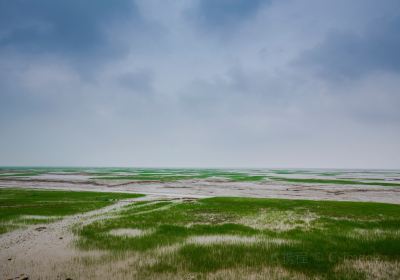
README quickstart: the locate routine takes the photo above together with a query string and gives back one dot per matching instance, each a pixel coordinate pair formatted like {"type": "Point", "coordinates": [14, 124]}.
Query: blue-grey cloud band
{"type": "Point", "coordinates": [236, 83]}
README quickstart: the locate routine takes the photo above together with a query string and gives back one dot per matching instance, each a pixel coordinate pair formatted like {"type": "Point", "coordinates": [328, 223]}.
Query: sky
{"type": "Point", "coordinates": [200, 83]}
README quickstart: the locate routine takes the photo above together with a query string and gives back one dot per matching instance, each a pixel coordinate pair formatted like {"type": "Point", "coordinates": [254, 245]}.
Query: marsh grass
{"type": "Point", "coordinates": [308, 238]}
{"type": "Point", "coordinates": [24, 174]}
{"type": "Point", "coordinates": [168, 175]}
{"type": "Point", "coordinates": [172, 175]}
{"type": "Point", "coordinates": [334, 181]}
{"type": "Point", "coordinates": [20, 207]}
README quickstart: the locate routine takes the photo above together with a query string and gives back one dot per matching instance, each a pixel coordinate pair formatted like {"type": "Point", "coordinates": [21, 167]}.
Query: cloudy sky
{"type": "Point", "coordinates": [200, 83]}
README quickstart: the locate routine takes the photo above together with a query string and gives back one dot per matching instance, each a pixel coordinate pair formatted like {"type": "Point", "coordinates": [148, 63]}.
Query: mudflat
{"type": "Point", "coordinates": [314, 184]}
{"type": "Point", "coordinates": [199, 224]}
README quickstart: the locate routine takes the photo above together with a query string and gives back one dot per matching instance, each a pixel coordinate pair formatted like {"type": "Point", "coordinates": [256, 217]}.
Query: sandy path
{"type": "Point", "coordinates": [39, 251]}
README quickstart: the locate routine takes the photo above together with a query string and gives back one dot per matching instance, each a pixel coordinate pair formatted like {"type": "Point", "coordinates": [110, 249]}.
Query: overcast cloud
{"type": "Point", "coordinates": [200, 83]}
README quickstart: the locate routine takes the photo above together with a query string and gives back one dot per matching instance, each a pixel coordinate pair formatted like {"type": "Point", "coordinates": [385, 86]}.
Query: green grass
{"type": "Point", "coordinates": [319, 235]}
{"type": "Point", "coordinates": [178, 174]}
{"type": "Point", "coordinates": [334, 181]}
{"type": "Point", "coordinates": [17, 203]}
{"type": "Point", "coordinates": [23, 174]}
{"type": "Point", "coordinates": [164, 175]}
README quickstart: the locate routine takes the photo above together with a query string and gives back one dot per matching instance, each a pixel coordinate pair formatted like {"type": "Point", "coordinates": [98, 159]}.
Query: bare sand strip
{"type": "Point", "coordinates": [204, 188]}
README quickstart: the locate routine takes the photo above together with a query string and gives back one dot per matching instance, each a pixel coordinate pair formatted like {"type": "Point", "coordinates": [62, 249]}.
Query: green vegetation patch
{"type": "Point", "coordinates": [171, 175]}
{"type": "Point", "coordinates": [20, 174]}
{"type": "Point", "coordinates": [333, 181]}
{"type": "Point", "coordinates": [312, 238]}
{"type": "Point", "coordinates": [22, 206]}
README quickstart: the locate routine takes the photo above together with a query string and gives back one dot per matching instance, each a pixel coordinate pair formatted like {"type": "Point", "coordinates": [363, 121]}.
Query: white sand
{"type": "Point", "coordinates": [129, 232]}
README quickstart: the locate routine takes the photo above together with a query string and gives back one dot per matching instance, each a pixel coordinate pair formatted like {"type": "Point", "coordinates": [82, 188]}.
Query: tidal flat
{"type": "Point", "coordinates": [128, 223]}
{"type": "Point", "coordinates": [314, 184]}
{"type": "Point", "coordinates": [120, 236]}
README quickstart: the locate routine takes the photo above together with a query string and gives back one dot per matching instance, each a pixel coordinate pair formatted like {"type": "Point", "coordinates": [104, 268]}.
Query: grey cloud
{"type": "Point", "coordinates": [161, 90]}
{"type": "Point", "coordinates": [138, 81]}
{"type": "Point", "coordinates": [69, 27]}
{"type": "Point", "coordinates": [223, 15]}
{"type": "Point", "coordinates": [348, 55]}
